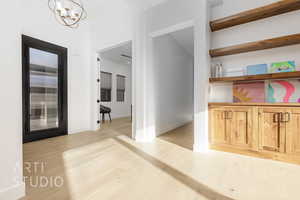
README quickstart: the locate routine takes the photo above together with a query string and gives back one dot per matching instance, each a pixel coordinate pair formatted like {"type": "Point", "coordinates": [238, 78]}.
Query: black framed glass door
{"type": "Point", "coordinates": [44, 89]}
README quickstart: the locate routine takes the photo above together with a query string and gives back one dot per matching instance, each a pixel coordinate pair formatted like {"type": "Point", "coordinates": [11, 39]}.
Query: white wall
{"type": "Point", "coordinates": [11, 185]}
{"type": "Point", "coordinates": [167, 16]}
{"type": "Point", "coordinates": [45, 27]}
{"type": "Point", "coordinates": [119, 109]}
{"type": "Point", "coordinates": [277, 26]}
{"type": "Point", "coordinates": [33, 18]}
{"type": "Point", "coordinates": [111, 24]}
{"type": "Point", "coordinates": [173, 84]}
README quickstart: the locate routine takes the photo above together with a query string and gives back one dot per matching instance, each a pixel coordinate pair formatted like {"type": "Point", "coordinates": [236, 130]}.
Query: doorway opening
{"type": "Point", "coordinates": [173, 62]}
{"type": "Point", "coordinates": [115, 88]}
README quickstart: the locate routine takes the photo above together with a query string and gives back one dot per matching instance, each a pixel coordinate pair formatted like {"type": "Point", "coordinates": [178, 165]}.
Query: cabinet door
{"type": "Point", "coordinates": [218, 133]}
{"type": "Point", "coordinates": [292, 120]}
{"type": "Point", "coordinates": [271, 130]}
{"type": "Point", "coordinates": [240, 120]}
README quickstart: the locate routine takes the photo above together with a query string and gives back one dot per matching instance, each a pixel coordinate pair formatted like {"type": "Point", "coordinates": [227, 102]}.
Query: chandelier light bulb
{"type": "Point", "coordinates": [59, 6]}
{"type": "Point", "coordinates": [68, 12]}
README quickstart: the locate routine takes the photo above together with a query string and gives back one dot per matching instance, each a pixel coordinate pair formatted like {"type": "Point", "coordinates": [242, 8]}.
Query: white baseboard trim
{"type": "Point", "coordinates": [119, 117]}
{"type": "Point", "coordinates": [142, 137]}
{"type": "Point", "coordinates": [172, 127]}
{"type": "Point", "coordinates": [198, 148]}
{"type": "Point", "coordinates": [78, 131]}
{"type": "Point", "coordinates": [13, 193]}
{"type": "Point", "coordinates": [144, 140]}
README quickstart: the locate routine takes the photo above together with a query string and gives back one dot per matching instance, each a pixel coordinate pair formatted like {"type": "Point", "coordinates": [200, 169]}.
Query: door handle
{"type": "Point", "coordinates": [285, 117]}
{"type": "Point", "coordinates": [225, 114]}
{"type": "Point", "coordinates": [277, 117]}
{"type": "Point", "coordinates": [288, 116]}
{"type": "Point", "coordinates": [228, 114]}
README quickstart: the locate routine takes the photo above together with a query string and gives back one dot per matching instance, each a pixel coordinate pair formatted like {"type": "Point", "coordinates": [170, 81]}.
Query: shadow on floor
{"type": "Point", "coordinates": [184, 179]}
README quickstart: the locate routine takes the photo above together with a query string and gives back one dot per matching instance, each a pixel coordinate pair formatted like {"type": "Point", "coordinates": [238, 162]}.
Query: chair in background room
{"type": "Point", "coordinates": [105, 110]}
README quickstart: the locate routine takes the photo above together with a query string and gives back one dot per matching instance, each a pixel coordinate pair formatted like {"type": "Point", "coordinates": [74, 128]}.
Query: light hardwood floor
{"type": "Point", "coordinates": [182, 136]}
{"type": "Point", "coordinates": [108, 165]}
{"type": "Point", "coordinates": [104, 165]}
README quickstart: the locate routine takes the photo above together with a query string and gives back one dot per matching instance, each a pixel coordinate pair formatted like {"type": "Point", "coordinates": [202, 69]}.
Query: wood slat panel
{"type": "Point", "coordinates": [270, 10]}
{"type": "Point", "coordinates": [258, 45]}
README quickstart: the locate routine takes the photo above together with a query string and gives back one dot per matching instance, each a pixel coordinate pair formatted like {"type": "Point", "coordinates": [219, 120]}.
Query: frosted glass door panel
{"type": "Point", "coordinates": [43, 80]}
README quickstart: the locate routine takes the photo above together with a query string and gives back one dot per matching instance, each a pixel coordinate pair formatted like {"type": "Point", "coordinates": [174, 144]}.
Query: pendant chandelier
{"type": "Point", "coordinates": [68, 12]}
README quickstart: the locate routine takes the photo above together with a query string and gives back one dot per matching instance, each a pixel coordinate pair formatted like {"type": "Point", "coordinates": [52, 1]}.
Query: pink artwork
{"type": "Point", "coordinates": [283, 91]}
{"type": "Point", "coordinates": [249, 92]}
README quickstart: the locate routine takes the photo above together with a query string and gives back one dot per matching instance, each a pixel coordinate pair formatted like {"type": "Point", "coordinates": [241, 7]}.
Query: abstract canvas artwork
{"type": "Point", "coordinates": [288, 66]}
{"type": "Point", "coordinates": [283, 91]}
{"type": "Point", "coordinates": [249, 92]}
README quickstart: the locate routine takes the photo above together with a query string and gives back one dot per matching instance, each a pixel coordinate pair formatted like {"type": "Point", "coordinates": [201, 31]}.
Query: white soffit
{"type": "Point", "coordinates": [120, 54]}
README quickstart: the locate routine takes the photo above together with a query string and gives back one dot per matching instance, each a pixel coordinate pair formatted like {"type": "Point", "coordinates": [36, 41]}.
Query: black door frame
{"type": "Point", "coordinates": [29, 42]}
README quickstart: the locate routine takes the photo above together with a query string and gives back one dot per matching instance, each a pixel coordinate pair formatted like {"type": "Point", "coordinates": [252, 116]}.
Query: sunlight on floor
{"type": "Point", "coordinates": [109, 169]}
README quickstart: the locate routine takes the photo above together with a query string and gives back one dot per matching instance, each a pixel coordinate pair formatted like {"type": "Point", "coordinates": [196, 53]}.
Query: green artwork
{"type": "Point", "coordinates": [270, 94]}
{"type": "Point", "coordinates": [288, 66]}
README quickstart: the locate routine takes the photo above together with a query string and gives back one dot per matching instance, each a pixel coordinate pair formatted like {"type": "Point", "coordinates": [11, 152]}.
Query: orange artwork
{"type": "Point", "coordinates": [249, 92]}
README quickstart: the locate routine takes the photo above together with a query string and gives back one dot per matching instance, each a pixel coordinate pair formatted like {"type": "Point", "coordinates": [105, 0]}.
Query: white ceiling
{"type": "Point", "coordinates": [150, 3]}
{"type": "Point", "coordinates": [185, 38]}
{"type": "Point", "coordinates": [144, 4]}
{"type": "Point", "coordinates": [115, 54]}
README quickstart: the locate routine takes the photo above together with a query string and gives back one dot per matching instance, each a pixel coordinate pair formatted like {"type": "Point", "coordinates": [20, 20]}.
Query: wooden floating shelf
{"type": "Point", "coordinates": [270, 10]}
{"type": "Point", "coordinates": [255, 104]}
{"type": "Point", "coordinates": [284, 75]}
{"type": "Point", "coordinates": [258, 45]}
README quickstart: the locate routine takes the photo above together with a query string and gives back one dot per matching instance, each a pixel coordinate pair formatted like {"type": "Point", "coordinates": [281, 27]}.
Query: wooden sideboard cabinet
{"type": "Point", "coordinates": [232, 126]}
{"type": "Point", "coordinates": [292, 118]}
{"type": "Point", "coordinates": [264, 130]}
{"type": "Point", "coordinates": [272, 130]}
